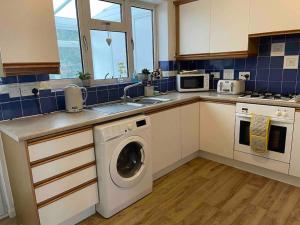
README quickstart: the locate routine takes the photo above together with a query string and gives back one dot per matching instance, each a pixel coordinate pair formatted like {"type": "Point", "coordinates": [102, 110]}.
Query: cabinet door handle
{"type": "Point", "coordinates": [86, 46]}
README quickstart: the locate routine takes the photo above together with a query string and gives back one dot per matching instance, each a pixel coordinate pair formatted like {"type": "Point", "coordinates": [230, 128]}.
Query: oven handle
{"type": "Point", "coordinates": [275, 119]}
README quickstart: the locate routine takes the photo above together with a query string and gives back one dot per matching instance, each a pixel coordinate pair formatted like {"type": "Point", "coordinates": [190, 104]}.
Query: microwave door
{"type": "Point", "coordinates": [195, 82]}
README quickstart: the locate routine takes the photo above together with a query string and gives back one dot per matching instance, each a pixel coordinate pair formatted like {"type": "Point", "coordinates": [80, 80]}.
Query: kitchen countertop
{"type": "Point", "coordinates": [36, 126]}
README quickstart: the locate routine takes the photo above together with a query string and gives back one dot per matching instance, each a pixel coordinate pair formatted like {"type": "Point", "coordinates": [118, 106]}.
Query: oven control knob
{"type": "Point", "coordinates": [278, 113]}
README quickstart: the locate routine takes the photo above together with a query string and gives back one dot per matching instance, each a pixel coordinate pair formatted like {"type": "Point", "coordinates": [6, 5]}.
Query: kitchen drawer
{"type": "Point", "coordinates": [43, 171]}
{"type": "Point", "coordinates": [62, 209]}
{"type": "Point", "coordinates": [49, 190]}
{"type": "Point", "coordinates": [39, 150]}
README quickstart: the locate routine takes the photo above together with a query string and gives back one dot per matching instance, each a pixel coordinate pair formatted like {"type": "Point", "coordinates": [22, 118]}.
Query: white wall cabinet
{"type": "Point", "coordinates": [28, 37]}
{"type": "Point", "coordinates": [166, 146]}
{"type": "Point", "coordinates": [274, 15]}
{"type": "Point", "coordinates": [213, 26]}
{"type": "Point", "coordinates": [194, 27]}
{"type": "Point", "coordinates": [189, 121]}
{"type": "Point", "coordinates": [217, 123]}
{"type": "Point", "coordinates": [229, 25]}
{"type": "Point", "coordinates": [295, 155]}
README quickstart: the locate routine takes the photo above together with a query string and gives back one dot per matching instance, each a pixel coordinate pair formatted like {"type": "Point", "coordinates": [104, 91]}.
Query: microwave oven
{"type": "Point", "coordinates": [189, 82]}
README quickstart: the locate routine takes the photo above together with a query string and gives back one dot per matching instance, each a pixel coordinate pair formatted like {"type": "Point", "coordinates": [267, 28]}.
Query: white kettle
{"type": "Point", "coordinates": [74, 97]}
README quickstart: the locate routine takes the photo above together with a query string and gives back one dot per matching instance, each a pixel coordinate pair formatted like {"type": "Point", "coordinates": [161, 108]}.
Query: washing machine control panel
{"type": "Point", "coordinates": [124, 127]}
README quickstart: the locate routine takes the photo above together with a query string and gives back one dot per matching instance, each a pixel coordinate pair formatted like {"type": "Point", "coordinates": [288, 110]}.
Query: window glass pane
{"type": "Point", "coordinates": [143, 38]}
{"type": "Point", "coordinates": [103, 10]}
{"type": "Point", "coordinates": [68, 38]}
{"type": "Point", "coordinates": [109, 60]}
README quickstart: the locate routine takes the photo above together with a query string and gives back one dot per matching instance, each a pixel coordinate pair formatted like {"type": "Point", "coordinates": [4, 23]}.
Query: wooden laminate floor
{"type": "Point", "coordinates": [206, 192]}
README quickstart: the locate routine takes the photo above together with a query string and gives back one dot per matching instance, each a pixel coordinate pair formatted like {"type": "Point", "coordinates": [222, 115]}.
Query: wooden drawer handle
{"type": "Point", "coordinates": [61, 155]}
{"type": "Point", "coordinates": [62, 175]}
{"type": "Point", "coordinates": [66, 193]}
{"type": "Point", "coordinates": [57, 136]}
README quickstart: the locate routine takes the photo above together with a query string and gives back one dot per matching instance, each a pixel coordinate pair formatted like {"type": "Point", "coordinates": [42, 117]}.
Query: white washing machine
{"type": "Point", "coordinates": [124, 166]}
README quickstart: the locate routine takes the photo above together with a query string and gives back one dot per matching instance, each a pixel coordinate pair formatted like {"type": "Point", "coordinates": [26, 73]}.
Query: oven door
{"type": "Point", "coordinates": [280, 138]}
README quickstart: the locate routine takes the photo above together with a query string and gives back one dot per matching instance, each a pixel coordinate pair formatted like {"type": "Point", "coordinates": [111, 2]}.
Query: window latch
{"type": "Point", "coordinates": [86, 46]}
{"type": "Point", "coordinates": [132, 43]}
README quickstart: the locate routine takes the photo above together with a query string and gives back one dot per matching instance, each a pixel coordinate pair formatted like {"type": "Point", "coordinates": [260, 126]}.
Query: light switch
{"type": "Point", "coordinates": [216, 75]}
{"type": "Point", "coordinates": [291, 62]}
{"type": "Point", "coordinates": [228, 74]}
{"type": "Point", "coordinates": [14, 90]}
{"type": "Point", "coordinates": [277, 49]}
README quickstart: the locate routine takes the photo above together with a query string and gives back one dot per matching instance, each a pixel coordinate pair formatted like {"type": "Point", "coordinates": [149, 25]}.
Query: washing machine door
{"type": "Point", "coordinates": [129, 162]}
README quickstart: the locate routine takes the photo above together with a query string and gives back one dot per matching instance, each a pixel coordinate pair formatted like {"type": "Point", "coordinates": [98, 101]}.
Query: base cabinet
{"type": "Point", "coordinates": [217, 122]}
{"type": "Point", "coordinates": [54, 178]}
{"type": "Point", "coordinates": [166, 144]}
{"type": "Point", "coordinates": [69, 206]}
{"type": "Point", "coordinates": [295, 155]}
{"type": "Point", "coordinates": [189, 128]}
{"type": "Point", "coordinates": [175, 135]}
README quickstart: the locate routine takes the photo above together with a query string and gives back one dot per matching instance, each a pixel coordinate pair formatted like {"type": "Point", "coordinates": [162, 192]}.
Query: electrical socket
{"type": "Point", "coordinates": [228, 74]}
{"type": "Point", "coordinates": [26, 89]}
{"type": "Point", "coordinates": [243, 75]}
{"type": "Point", "coordinates": [217, 75]}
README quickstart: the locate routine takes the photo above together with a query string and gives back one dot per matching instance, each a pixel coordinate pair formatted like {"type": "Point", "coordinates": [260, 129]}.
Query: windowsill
{"type": "Point", "coordinates": [57, 84]}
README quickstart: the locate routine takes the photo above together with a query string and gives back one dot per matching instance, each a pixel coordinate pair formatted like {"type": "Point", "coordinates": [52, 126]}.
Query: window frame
{"type": "Point", "coordinates": [86, 23]}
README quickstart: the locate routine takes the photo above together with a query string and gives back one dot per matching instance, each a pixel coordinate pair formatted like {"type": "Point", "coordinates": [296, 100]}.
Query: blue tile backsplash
{"type": "Point", "coordinates": [53, 100]}
{"type": "Point", "coordinates": [267, 73]}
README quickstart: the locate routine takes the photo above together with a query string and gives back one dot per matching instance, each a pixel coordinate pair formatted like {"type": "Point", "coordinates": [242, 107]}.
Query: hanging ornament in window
{"type": "Point", "coordinates": [108, 39]}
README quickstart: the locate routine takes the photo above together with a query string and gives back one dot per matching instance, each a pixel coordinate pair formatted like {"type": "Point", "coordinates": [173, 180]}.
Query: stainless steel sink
{"type": "Point", "coordinates": [127, 106]}
{"type": "Point", "coordinates": [151, 101]}
{"type": "Point", "coordinates": [116, 108]}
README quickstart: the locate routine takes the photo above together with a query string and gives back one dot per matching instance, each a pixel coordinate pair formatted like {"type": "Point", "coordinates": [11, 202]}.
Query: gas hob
{"type": "Point", "coordinates": [268, 96]}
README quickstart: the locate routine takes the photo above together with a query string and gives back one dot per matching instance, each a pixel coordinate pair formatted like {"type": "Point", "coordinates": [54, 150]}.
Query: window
{"type": "Point", "coordinates": [109, 60]}
{"type": "Point", "coordinates": [142, 32]}
{"type": "Point", "coordinates": [103, 10]}
{"type": "Point", "coordinates": [68, 38]}
{"type": "Point", "coordinates": [96, 36]}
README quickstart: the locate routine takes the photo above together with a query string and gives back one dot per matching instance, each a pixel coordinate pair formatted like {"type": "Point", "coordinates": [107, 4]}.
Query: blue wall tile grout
{"type": "Point", "coordinates": [111, 92]}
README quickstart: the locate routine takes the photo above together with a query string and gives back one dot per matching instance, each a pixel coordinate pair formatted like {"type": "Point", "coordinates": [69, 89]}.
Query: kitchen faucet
{"type": "Point", "coordinates": [125, 97]}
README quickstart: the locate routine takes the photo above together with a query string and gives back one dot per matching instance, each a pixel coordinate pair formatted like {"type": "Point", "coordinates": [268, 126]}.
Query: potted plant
{"type": "Point", "coordinates": [146, 74]}
{"type": "Point", "coordinates": [85, 78]}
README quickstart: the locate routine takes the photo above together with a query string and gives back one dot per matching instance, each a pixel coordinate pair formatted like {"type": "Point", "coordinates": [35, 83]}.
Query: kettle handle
{"type": "Point", "coordinates": [85, 94]}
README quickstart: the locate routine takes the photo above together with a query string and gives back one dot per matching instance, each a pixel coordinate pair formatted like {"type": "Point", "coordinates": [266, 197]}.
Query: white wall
{"type": "Point", "coordinates": [166, 30]}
